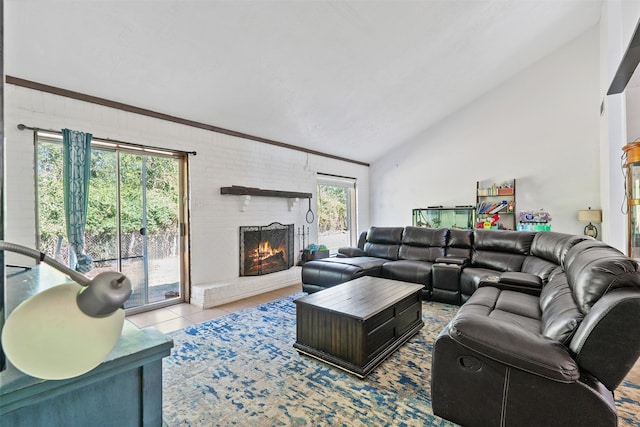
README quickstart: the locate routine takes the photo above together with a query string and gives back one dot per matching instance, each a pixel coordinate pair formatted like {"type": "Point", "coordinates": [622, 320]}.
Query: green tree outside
{"type": "Point", "coordinates": [332, 209]}
{"type": "Point", "coordinates": [162, 186]}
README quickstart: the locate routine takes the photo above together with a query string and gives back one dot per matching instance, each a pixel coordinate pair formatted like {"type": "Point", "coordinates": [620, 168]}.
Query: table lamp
{"type": "Point", "coordinates": [590, 216]}
{"type": "Point", "coordinates": [67, 330]}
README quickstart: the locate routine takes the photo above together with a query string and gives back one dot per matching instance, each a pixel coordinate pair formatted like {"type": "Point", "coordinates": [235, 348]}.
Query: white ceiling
{"type": "Point", "coordinates": [348, 78]}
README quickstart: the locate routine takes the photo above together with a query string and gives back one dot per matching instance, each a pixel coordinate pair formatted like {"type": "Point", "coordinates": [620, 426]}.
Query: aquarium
{"type": "Point", "coordinates": [444, 217]}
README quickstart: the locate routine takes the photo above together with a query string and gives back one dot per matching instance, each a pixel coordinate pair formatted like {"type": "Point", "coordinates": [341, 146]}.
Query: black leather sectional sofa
{"type": "Point", "coordinates": [549, 324]}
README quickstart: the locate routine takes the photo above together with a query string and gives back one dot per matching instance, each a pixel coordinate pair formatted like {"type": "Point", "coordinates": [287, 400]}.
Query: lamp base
{"type": "Point", "coordinates": [591, 230]}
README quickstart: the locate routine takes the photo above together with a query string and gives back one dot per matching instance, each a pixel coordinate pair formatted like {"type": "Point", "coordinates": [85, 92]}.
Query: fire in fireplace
{"type": "Point", "coordinates": [266, 249]}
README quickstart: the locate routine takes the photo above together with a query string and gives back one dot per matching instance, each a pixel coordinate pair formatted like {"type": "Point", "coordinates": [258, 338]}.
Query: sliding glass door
{"type": "Point", "coordinates": [150, 226]}
{"type": "Point", "coordinates": [134, 220]}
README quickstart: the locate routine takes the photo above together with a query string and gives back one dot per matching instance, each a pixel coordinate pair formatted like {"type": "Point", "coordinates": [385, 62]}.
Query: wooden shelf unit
{"type": "Point", "coordinates": [490, 193]}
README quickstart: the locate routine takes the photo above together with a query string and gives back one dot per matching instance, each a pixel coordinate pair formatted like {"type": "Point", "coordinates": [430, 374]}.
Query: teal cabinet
{"type": "Point", "coordinates": [125, 390]}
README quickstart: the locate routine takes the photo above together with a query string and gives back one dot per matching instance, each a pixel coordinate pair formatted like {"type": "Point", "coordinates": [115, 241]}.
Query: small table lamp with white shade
{"type": "Point", "coordinates": [67, 330]}
{"type": "Point", "coordinates": [590, 216]}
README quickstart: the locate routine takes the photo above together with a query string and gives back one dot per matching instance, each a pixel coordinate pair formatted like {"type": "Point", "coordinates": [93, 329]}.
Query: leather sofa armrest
{"type": "Point", "coordinates": [521, 279]}
{"type": "Point", "coordinates": [513, 282]}
{"type": "Point", "coordinates": [516, 347]}
{"type": "Point", "coordinates": [453, 260]}
{"type": "Point", "coordinates": [351, 252]}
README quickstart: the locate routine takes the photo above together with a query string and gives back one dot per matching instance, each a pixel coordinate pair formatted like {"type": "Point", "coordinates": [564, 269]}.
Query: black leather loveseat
{"type": "Point", "coordinates": [549, 324]}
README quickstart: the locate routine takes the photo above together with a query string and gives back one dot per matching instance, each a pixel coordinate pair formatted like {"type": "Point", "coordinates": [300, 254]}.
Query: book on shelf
{"type": "Point", "coordinates": [499, 208]}
{"type": "Point", "coordinates": [491, 208]}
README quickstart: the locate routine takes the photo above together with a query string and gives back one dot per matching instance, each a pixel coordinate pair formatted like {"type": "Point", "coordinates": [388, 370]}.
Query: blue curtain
{"type": "Point", "coordinates": [76, 172]}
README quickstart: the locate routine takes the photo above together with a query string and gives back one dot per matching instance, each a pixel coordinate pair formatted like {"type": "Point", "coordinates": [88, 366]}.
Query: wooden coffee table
{"type": "Point", "coordinates": [357, 324]}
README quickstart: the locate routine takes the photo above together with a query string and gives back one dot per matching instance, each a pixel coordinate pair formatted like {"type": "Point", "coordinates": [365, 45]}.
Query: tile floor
{"type": "Point", "coordinates": [179, 316]}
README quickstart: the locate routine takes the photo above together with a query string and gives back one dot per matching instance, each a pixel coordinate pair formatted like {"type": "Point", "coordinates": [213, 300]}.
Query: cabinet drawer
{"type": "Point", "coordinates": [379, 319]}
{"type": "Point", "coordinates": [407, 302]}
{"type": "Point", "coordinates": [379, 337]}
{"type": "Point", "coordinates": [409, 317]}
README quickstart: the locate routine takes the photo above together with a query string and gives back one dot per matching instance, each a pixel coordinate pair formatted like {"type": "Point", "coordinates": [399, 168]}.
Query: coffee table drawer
{"type": "Point", "coordinates": [378, 338]}
{"type": "Point", "coordinates": [409, 317]}
{"type": "Point", "coordinates": [379, 319]}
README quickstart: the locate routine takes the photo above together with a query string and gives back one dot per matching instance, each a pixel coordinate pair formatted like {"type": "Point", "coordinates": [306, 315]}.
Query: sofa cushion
{"type": "Point", "coordinates": [366, 263]}
{"type": "Point", "coordinates": [334, 270]}
{"type": "Point", "coordinates": [540, 267]}
{"type": "Point", "coordinates": [594, 268]}
{"type": "Point", "coordinates": [416, 253]}
{"type": "Point", "coordinates": [510, 307]}
{"type": "Point", "coordinates": [501, 250]}
{"type": "Point", "coordinates": [519, 305]}
{"type": "Point", "coordinates": [408, 271]}
{"type": "Point", "coordinates": [420, 236]}
{"type": "Point", "coordinates": [498, 261]}
{"type": "Point", "coordinates": [385, 235]}
{"type": "Point", "coordinates": [381, 251]}
{"type": "Point", "coordinates": [553, 247]}
{"type": "Point", "coordinates": [350, 252]}
{"type": "Point", "coordinates": [459, 243]}
{"type": "Point", "coordinates": [471, 276]}
{"type": "Point", "coordinates": [383, 242]}
{"type": "Point", "coordinates": [423, 244]}
{"type": "Point", "coordinates": [515, 242]}
{"type": "Point", "coordinates": [560, 315]}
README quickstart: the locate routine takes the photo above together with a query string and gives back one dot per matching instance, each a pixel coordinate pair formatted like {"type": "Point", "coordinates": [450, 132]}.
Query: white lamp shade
{"type": "Point", "coordinates": [49, 337]}
{"type": "Point", "coordinates": [591, 215]}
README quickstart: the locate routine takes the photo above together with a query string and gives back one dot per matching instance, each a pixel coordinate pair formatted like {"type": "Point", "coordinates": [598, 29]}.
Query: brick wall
{"type": "Point", "coordinates": [222, 160]}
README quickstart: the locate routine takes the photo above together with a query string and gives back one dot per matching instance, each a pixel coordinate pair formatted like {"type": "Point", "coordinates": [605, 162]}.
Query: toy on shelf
{"type": "Point", "coordinates": [534, 221]}
{"type": "Point", "coordinates": [490, 222]}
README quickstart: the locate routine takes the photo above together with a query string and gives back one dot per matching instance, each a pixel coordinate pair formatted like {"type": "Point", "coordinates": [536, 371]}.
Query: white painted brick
{"type": "Point", "coordinates": [222, 292]}
{"type": "Point", "coordinates": [222, 160]}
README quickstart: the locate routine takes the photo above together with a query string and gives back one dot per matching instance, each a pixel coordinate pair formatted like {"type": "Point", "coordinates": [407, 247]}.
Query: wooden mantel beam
{"type": "Point", "coordinates": [238, 190]}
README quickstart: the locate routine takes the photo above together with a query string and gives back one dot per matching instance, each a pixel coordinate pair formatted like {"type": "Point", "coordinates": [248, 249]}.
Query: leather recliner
{"type": "Point", "coordinates": [513, 359]}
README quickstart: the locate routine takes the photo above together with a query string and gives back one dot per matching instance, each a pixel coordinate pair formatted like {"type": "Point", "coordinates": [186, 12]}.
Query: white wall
{"type": "Point", "coordinates": [540, 127]}
{"type": "Point", "coordinates": [222, 160]}
{"type": "Point", "coordinates": [617, 23]}
{"type": "Point", "coordinates": [632, 95]}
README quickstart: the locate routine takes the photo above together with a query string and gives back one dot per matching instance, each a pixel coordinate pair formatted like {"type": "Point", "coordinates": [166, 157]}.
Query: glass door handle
{"type": "Point", "coordinates": [143, 231]}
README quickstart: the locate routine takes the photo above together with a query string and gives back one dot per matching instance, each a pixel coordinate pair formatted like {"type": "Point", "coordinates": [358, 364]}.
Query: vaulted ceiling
{"type": "Point", "coordinates": [350, 78]}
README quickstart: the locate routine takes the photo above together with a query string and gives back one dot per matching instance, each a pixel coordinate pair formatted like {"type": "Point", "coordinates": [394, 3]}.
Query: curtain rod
{"type": "Point", "coordinates": [337, 176]}
{"type": "Point", "coordinates": [115, 141]}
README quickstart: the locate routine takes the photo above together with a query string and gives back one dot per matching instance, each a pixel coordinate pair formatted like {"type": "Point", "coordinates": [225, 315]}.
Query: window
{"type": "Point", "coordinates": [336, 211]}
{"type": "Point", "coordinates": [135, 216]}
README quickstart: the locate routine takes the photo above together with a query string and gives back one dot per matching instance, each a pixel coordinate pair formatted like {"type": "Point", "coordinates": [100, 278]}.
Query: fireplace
{"type": "Point", "coordinates": [266, 249]}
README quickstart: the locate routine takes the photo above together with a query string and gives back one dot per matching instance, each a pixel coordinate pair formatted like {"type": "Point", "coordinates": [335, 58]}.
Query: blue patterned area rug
{"type": "Point", "coordinates": [242, 370]}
